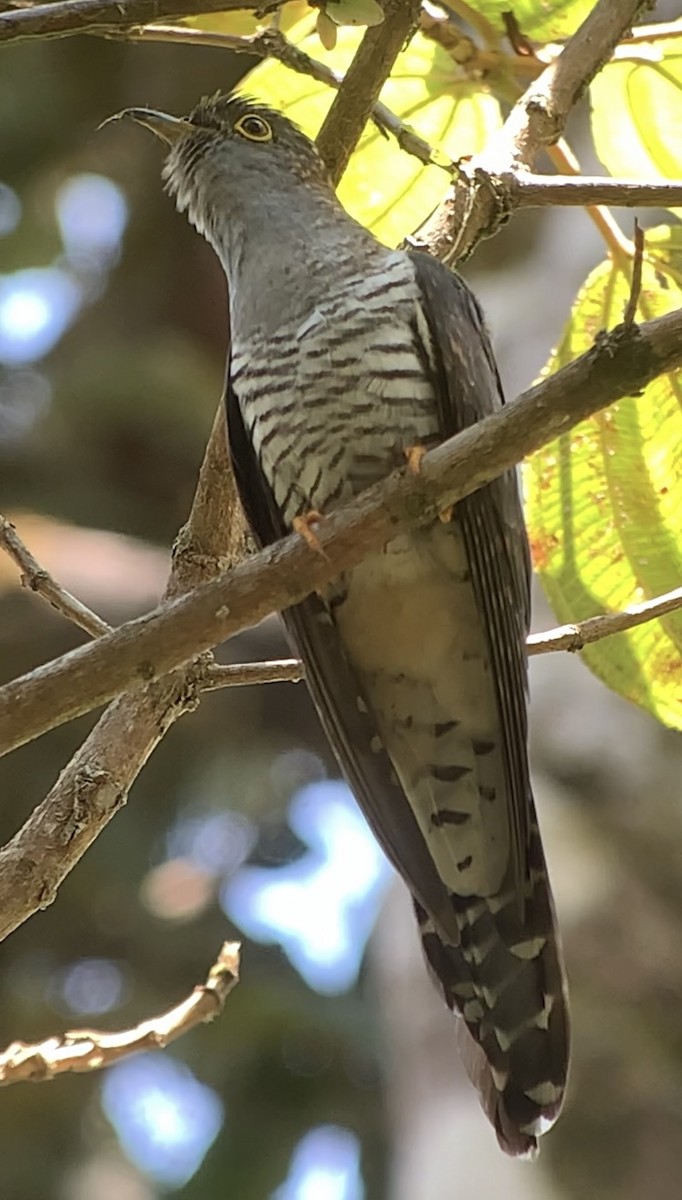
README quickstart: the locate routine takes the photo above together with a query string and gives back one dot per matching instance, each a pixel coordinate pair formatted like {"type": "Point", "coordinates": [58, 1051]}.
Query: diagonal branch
{"type": "Point", "coordinates": [95, 784]}
{"type": "Point", "coordinates": [38, 580]}
{"type": "Point", "coordinates": [364, 79]}
{"type": "Point", "coordinates": [90, 1049]}
{"type": "Point", "coordinates": [620, 363]}
{"type": "Point", "coordinates": [593, 629]}
{"type": "Point", "coordinates": [271, 43]}
{"type": "Point", "coordinates": [66, 17]}
{"type": "Point", "coordinates": [475, 205]}
{"type": "Point", "coordinates": [570, 638]}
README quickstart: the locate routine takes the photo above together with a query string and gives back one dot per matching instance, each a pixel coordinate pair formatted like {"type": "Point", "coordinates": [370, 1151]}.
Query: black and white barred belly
{"type": "Point", "coordinates": [331, 402]}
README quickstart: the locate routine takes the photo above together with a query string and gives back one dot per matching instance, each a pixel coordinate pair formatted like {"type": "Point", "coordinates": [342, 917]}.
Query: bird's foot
{"type": "Point", "coordinates": [414, 456]}
{"type": "Point", "coordinates": [303, 525]}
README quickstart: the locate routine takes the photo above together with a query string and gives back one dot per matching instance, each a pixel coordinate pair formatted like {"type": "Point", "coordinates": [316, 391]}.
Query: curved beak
{"type": "Point", "coordinates": [169, 129]}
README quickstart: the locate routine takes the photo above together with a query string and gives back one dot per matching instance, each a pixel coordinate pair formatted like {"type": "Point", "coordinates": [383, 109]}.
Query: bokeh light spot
{"type": "Point", "coordinates": [165, 1119]}
{"type": "Point", "coordinates": [36, 307]}
{"type": "Point", "coordinates": [92, 214]}
{"type": "Point", "coordinates": [91, 985]}
{"type": "Point", "coordinates": [10, 210]}
{"type": "Point", "coordinates": [324, 1166]}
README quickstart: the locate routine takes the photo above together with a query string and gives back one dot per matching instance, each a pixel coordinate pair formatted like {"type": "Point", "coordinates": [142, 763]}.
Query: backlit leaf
{"type": "Point", "coordinates": [604, 502]}
{"type": "Point", "coordinates": [542, 20]}
{"type": "Point", "coordinates": [637, 112]}
{"type": "Point", "coordinates": [389, 191]}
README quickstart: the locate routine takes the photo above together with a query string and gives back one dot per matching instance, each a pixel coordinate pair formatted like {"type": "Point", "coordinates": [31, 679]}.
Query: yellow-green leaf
{"type": "Point", "coordinates": [637, 112]}
{"type": "Point", "coordinates": [354, 12]}
{"type": "Point", "coordinates": [604, 502]}
{"type": "Point", "coordinates": [542, 20]}
{"type": "Point", "coordinates": [389, 191]}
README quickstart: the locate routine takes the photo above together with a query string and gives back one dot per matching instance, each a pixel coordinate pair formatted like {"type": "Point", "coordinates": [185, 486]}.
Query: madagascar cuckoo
{"type": "Point", "coordinates": [344, 356]}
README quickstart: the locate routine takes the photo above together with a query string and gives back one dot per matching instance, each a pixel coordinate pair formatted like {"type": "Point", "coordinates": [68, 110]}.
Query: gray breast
{"type": "Point", "coordinates": [331, 401]}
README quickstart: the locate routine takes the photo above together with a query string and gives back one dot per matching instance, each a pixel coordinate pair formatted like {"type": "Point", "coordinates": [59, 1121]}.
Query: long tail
{"type": "Point", "coordinates": [507, 982]}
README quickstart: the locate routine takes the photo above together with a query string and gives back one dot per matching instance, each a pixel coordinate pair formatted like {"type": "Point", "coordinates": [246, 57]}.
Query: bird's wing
{"type": "Point", "coordinates": [337, 696]}
{"type": "Point", "coordinates": [467, 386]}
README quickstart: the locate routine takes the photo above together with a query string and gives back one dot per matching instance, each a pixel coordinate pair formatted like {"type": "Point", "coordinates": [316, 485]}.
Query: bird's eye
{"type": "Point", "coordinates": [256, 129]}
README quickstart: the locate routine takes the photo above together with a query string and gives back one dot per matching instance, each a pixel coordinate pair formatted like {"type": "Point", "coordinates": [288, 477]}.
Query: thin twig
{"type": "Point", "coordinates": [593, 629]}
{"type": "Point", "coordinates": [527, 191]}
{"type": "Point", "coordinates": [38, 580]}
{"type": "Point", "coordinates": [364, 79]}
{"type": "Point", "coordinates": [620, 248]}
{"type": "Point", "coordinates": [564, 637]}
{"type": "Point", "coordinates": [620, 362]}
{"type": "Point", "coordinates": [283, 670]}
{"type": "Point", "coordinates": [271, 43]}
{"type": "Point", "coordinates": [83, 1050]}
{"type": "Point", "coordinates": [650, 34]}
{"type": "Point", "coordinates": [630, 314]}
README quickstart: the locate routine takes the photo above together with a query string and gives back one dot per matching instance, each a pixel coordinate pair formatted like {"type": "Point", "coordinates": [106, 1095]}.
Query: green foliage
{"type": "Point", "coordinates": [542, 20]}
{"type": "Point", "coordinates": [604, 501]}
{"type": "Point", "coordinates": [637, 113]}
{"type": "Point", "coordinates": [387, 190]}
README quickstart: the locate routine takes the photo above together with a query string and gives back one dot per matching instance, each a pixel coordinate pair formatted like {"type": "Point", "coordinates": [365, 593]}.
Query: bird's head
{"type": "Point", "coordinates": [231, 154]}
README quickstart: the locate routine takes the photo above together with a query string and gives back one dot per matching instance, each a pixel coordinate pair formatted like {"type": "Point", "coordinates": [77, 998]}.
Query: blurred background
{"type": "Point", "coordinates": [332, 1073]}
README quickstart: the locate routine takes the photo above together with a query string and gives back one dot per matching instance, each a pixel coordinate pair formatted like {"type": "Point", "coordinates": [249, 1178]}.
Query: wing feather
{"type": "Point", "coordinates": [468, 388]}
{"type": "Point", "coordinates": [338, 698]}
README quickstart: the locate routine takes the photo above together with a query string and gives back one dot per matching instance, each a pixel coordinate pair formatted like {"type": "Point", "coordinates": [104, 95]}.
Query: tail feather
{"type": "Point", "coordinates": [506, 980]}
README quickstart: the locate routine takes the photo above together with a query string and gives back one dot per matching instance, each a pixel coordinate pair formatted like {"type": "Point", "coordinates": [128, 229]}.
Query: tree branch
{"type": "Point", "coordinates": [283, 670]}
{"type": "Point", "coordinates": [66, 17]}
{"type": "Point", "coordinates": [565, 637]}
{"type": "Point", "coordinates": [527, 191]}
{"type": "Point", "coordinates": [593, 629]}
{"type": "Point", "coordinates": [620, 363]}
{"type": "Point", "coordinates": [95, 784]}
{"type": "Point", "coordinates": [475, 205]}
{"type": "Point", "coordinates": [364, 79]}
{"type": "Point", "coordinates": [90, 1049]}
{"type": "Point", "coordinates": [38, 580]}
{"type": "Point", "coordinates": [271, 43]}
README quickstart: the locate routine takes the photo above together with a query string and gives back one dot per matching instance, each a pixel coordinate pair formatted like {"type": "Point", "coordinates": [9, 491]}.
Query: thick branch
{"type": "Point", "coordinates": [619, 364]}
{"type": "Point", "coordinates": [95, 784]}
{"type": "Point", "coordinates": [90, 1049]}
{"type": "Point", "coordinates": [475, 206]}
{"type": "Point", "coordinates": [539, 118]}
{"type": "Point", "coordinates": [66, 17]}
{"type": "Point", "coordinates": [364, 79]}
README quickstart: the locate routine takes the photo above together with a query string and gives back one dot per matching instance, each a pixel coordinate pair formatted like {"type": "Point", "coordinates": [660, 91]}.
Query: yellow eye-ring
{"type": "Point", "coordinates": [256, 129]}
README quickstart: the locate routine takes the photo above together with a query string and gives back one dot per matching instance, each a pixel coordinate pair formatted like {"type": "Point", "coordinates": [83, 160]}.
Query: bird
{"type": "Point", "coordinates": [346, 357]}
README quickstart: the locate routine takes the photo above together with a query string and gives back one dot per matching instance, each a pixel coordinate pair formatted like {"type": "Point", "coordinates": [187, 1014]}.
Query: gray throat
{"type": "Point", "coordinates": [285, 254]}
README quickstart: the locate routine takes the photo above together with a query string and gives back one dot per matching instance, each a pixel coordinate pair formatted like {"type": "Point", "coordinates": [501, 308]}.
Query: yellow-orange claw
{"type": "Point", "coordinates": [413, 457]}
{"type": "Point", "coordinates": [304, 526]}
